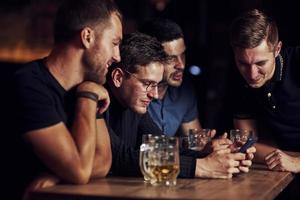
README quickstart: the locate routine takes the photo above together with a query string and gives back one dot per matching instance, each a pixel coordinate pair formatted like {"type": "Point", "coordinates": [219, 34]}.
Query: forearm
{"type": "Point", "coordinates": [103, 155]}
{"type": "Point", "coordinates": [194, 124]}
{"type": "Point", "coordinates": [84, 134]}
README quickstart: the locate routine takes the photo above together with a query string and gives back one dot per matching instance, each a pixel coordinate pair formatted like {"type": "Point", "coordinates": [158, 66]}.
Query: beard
{"type": "Point", "coordinates": [97, 77]}
{"type": "Point", "coordinates": [94, 71]}
{"type": "Point", "coordinates": [172, 81]}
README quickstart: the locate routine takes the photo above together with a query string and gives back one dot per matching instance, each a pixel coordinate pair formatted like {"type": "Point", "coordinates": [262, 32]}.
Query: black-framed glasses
{"type": "Point", "coordinates": [147, 84]}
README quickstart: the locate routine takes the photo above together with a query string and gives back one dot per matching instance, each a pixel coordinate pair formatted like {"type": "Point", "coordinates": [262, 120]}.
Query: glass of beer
{"type": "Point", "coordinates": [197, 139]}
{"type": "Point", "coordinates": [240, 137]}
{"type": "Point", "coordinates": [164, 161]}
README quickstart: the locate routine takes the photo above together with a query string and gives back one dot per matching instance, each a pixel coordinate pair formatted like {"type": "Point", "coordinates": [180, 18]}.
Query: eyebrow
{"type": "Point", "coordinates": [258, 62]}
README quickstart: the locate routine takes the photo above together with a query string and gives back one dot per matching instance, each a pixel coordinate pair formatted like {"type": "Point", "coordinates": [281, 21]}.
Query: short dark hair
{"type": "Point", "coordinates": [164, 30]}
{"type": "Point", "coordinates": [74, 15]}
{"type": "Point", "coordinates": [138, 49]}
{"type": "Point", "coordinates": [249, 29]}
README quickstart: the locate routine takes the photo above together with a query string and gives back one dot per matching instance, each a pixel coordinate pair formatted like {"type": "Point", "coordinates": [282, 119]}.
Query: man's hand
{"type": "Point", "coordinates": [278, 160]}
{"type": "Point", "coordinates": [221, 143]}
{"type": "Point", "coordinates": [219, 164]}
{"type": "Point", "coordinates": [43, 181]}
{"type": "Point", "coordinates": [245, 164]}
{"type": "Point", "coordinates": [102, 93]}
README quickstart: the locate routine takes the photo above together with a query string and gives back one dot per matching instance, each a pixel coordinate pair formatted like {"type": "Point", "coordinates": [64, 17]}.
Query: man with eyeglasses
{"type": "Point", "coordinates": [132, 84]}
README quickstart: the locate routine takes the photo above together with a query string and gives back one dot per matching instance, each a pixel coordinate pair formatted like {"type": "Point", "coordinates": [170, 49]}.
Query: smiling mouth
{"type": "Point", "coordinates": [146, 103]}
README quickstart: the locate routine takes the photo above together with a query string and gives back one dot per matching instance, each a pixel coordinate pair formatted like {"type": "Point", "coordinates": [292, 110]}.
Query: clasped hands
{"type": "Point", "coordinates": [223, 162]}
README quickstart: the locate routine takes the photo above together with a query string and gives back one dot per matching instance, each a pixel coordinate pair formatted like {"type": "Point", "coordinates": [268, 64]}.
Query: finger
{"type": "Point", "coordinates": [233, 170]}
{"type": "Point", "coordinates": [233, 163]}
{"type": "Point", "coordinates": [213, 133]}
{"type": "Point", "coordinates": [220, 147]}
{"type": "Point", "coordinates": [270, 155]}
{"type": "Point", "coordinates": [224, 135]}
{"type": "Point", "coordinates": [251, 150]}
{"type": "Point", "coordinates": [238, 156]}
{"type": "Point", "coordinates": [271, 160]}
{"type": "Point", "coordinates": [221, 141]}
{"type": "Point", "coordinates": [103, 105]}
{"type": "Point", "coordinates": [246, 163]}
{"type": "Point", "coordinates": [223, 151]}
{"type": "Point", "coordinates": [275, 156]}
{"type": "Point", "coordinates": [249, 156]}
{"type": "Point", "coordinates": [274, 164]}
{"type": "Point", "coordinates": [244, 169]}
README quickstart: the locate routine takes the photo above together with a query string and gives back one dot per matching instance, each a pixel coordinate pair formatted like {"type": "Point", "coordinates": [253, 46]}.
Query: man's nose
{"type": "Point", "coordinates": [180, 63]}
{"type": "Point", "coordinates": [253, 72]}
{"type": "Point", "coordinates": [116, 55]}
{"type": "Point", "coordinates": [153, 93]}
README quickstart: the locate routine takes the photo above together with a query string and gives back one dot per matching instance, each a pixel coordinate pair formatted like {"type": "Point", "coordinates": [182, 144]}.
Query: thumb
{"type": "Point", "coordinates": [224, 136]}
{"type": "Point", "coordinates": [213, 133]}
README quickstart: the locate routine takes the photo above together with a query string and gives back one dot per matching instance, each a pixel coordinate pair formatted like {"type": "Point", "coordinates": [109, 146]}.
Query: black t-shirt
{"type": "Point", "coordinates": [41, 102]}
{"type": "Point", "coordinates": [41, 99]}
{"type": "Point", "coordinates": [276, 105]}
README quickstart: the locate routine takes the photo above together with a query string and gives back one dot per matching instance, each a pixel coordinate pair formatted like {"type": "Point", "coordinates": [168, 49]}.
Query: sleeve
{"type": "Point", "coordinates": [190, 101]}
{"type": "Point", "coordinates": [34, 103]}
{"type": "Point", "coordinates": [125, 157]}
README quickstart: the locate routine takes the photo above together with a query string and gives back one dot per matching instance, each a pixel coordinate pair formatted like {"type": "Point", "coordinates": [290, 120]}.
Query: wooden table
{"type": "Point", "coordinates": [259, 183]}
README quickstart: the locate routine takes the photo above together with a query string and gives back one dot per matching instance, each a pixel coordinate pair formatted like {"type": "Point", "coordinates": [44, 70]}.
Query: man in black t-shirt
{"type": "Point", "coordinates": [58, 96]}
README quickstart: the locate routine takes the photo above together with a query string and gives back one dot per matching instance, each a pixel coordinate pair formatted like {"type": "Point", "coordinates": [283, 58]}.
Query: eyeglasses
{"type": "Point", "coordinates": [147, 84]}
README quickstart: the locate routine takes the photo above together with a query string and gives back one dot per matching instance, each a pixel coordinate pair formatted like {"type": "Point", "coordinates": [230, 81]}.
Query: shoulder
{"type": "Point", "coordinates": [32, 80]}
{"type": "Point", "coordinates": [184, 91]}
{"type": "Point", "coordinates": [30, 73]}
{"type": "Point", "coordinates": [291, 53]}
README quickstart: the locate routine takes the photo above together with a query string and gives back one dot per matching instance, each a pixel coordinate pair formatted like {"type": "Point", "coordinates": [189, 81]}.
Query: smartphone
{"type": "Point", "coordinates": [247, 145]}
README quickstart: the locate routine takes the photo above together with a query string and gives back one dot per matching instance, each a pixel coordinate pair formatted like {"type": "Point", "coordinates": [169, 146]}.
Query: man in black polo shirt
{"type": "Point", "coordinates": [269, 97]}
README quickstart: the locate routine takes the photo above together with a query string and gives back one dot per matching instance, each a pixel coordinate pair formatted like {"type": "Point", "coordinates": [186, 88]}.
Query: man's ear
{"type": "Point", "coordinates": [87, 36]}
{"type": "Point", "coordinates": [278, 48]}
{"type": "Point", "coordinates": [117, 76]}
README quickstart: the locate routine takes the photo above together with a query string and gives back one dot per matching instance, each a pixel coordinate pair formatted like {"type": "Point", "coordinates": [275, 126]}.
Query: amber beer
{"type": "Point", "coordinates": [164, 161]}
{"type": "Point", "coordinates": [165, 172]}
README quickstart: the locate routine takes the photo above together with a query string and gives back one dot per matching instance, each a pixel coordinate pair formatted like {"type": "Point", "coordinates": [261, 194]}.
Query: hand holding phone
{"type": "Point", "coordinates": [248, 144]}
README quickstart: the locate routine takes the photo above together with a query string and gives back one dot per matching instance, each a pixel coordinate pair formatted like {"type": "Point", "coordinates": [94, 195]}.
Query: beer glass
{"type": "Point", "coordinates": [240, 137]}
{"type": "Point", "coordinates": [197, 139]}
{"type": "Point", "coordinates": [144, 156]}
{"type": "Point", "coordinates": [164, 161]}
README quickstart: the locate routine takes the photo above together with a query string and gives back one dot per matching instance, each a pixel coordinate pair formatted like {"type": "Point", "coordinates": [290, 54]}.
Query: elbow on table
{"type": "Point", "coordinates": [77, 176]}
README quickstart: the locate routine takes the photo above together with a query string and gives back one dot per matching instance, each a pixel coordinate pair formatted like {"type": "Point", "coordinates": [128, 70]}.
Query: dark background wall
{"type": "Point", "coordinates": [26, 34]}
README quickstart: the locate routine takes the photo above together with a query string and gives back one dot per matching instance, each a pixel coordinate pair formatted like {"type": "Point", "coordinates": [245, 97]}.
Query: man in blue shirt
{"type": "Point", "coordinates": [176, 106]}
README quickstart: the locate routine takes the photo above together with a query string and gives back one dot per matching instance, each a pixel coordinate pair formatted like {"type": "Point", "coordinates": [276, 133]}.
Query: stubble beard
{"type": "Point", "coordinates": [98, 76]}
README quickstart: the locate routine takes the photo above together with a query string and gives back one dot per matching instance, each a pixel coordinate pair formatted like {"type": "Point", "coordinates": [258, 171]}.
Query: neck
{"type": "Point", "coordinates": [64, 64]}
{"type": "Point", "coordinates": [116, 94]}
{"type": "Point", "coordinates": [162, 90]}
